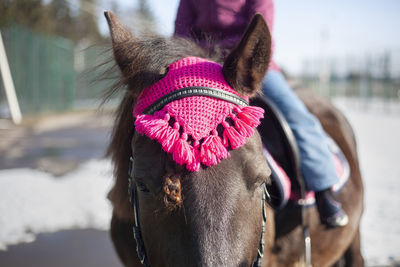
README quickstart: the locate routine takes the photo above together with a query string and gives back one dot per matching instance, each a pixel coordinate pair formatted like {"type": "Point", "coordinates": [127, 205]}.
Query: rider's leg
{"type": "Point", "coordinates": [317, 164]}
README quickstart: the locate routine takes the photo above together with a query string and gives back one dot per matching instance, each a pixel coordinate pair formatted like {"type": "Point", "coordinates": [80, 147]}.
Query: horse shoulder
{"type": "Point", "coordinates": [337, 126]}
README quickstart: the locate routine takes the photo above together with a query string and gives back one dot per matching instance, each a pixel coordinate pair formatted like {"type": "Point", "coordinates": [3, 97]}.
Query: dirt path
{"type": "Point", "coordinates": [78, 248]}
{"type": "Point", "coordinates": [56, 144]}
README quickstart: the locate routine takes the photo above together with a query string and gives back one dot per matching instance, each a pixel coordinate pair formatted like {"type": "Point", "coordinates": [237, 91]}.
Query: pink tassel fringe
{"type": "Point", "coordinates": [194, 166]}
{"type": "Point", "coordinates": [235, 139]}
{"type": "Point", "coordinates": [251, 115]}
{"type": "Point", "coordinates": [243, 128]}
{"type": "Point", "coordinates": [151, 126]}
{"type": "Point", "coordinates": [213, 149]}
{"type": "Point", "coordinates": [169, 141]}
{"type": "Point", "coordinates": [183, 152]}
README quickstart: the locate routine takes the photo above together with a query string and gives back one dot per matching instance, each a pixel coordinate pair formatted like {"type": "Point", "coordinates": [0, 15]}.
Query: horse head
{"type": "Point", "coordinates": [204, 216]}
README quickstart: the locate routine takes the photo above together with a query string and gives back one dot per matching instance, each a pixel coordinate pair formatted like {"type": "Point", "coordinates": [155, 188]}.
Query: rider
{"type": "Point", "coordinates": [219, 23]}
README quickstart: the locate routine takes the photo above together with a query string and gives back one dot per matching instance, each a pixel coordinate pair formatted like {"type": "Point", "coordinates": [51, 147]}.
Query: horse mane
{"type": "Point", "coordinates": [147, 58]}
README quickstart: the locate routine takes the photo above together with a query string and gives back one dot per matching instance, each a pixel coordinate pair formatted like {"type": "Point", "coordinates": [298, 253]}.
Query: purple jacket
{"type": "Point", "coordinates": [220, 22]}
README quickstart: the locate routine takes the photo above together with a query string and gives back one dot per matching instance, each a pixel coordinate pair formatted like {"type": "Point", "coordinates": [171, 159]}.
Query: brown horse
{"type": "Point", "coordinates": [213, 217]}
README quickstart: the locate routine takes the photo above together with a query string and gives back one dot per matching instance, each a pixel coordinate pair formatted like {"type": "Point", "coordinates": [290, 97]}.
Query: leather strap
{"type": "Point", "coordinates": [195, 91]}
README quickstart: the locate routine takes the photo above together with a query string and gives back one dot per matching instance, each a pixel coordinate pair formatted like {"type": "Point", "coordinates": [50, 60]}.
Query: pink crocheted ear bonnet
{"type": "Point", "coordinates": [183, 110]}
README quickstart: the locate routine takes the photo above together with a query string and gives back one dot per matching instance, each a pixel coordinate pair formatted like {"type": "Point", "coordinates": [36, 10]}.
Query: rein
{"type": "Point", "coordinates": [137, 234]}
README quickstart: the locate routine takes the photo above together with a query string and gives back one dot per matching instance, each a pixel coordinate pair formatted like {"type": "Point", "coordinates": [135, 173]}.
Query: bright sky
{"type": "Point", "coordinates": [311, 29]}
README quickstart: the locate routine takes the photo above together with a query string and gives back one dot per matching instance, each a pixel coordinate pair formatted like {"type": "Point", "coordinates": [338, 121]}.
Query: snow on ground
{"type": "Point", "coordinates": [33, 202]}
{"type": "Point", "coordinates": [377, 129]}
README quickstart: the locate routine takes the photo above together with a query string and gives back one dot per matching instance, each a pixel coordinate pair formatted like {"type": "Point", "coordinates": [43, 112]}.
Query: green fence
{"type": "Point", "coordinates": [51, 74]}
{"type": "Point", "coordinates": [94, 74]}
{"type": "Point", "coordinates": [356, 88]}
{"type": "Point", "coordinates": [42, 68]}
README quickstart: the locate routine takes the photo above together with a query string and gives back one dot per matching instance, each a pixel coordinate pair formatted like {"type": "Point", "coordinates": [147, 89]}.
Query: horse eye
{"type": "Point", "coordinates": [142, 187]}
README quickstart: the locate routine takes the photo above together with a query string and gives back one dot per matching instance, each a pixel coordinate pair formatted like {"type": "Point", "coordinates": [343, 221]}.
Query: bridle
{"type": "Point", "coordinates": [133, 200]}
{"type": "Point", "coordinates": [137, 233]}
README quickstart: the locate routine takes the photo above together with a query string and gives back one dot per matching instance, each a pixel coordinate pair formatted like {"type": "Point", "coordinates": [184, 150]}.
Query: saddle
{"type": "Point", "coordinates": [283, 157]}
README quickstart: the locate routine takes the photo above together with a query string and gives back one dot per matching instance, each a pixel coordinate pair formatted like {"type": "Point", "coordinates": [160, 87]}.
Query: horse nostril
{"type": "Point", "coordinates": [172, 192]}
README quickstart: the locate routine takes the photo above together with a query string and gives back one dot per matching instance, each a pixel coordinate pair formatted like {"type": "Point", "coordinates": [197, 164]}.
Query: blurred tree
{"type": "Point", "coordinates": [386, 65]}
{"type": "Point", "coordinates": [139, 19]}
{"type": "Point", "coordinates": [145, 18]}
{"type": "Point", "coordinates": [53, 18]}
{"type": "Point", "coordinates": [86, 24]}
{"type": "Point", "coordinates": [28, 13]}
{"type": "Point", "coordinates": [59, 20]}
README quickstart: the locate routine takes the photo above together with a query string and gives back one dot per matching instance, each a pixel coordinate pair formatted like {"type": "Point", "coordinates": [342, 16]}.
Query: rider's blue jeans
{"type": "Point", "coordinates": [317, 164]}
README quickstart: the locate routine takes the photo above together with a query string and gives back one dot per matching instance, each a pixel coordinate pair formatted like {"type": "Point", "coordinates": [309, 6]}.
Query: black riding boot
{"type": "Point", "coordinates": [330, 211]}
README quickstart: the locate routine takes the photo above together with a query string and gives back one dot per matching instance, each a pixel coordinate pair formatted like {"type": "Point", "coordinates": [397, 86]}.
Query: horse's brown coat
{"type": "Point", "coordinates": [219, 222]}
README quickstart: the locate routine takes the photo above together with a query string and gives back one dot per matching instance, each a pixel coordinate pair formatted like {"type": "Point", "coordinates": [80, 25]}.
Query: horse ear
{"type": "Point", "coordinates": [119, 37]}
{"type": "Point", "coordinates": [245, 67]}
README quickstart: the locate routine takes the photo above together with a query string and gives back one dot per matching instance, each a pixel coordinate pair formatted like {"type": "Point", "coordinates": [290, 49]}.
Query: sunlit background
{"type": "Point", "coordinates": [53, 177]}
